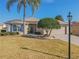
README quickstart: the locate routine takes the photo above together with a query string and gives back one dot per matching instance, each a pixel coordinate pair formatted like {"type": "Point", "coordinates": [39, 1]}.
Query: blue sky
{"type": "Point", "coordinates": [47, 8]}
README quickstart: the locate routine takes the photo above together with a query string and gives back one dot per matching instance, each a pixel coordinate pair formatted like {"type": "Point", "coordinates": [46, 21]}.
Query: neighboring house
{"type": "Point", "coordinates": [2, 27]}
{"type": "Point", "coordinates": [17, 26]}
{"type": "Point", "coordinates": [75, 28]}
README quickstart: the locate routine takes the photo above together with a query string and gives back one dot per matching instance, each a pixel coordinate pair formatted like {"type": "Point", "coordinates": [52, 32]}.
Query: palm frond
{"type": "Point", "coordinates": [10, 3]}
{"type": "Point", "coordinates": [30, 2]}
{"type": "Point", "coordinates": [19, 6]}
{"type": "Point", "coordinates": [34, 4]}
{"type": "Point", "coordinates": [33, 10]}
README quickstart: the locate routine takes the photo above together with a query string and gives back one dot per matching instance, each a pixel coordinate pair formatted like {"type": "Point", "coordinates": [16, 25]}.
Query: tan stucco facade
{"type": "Point", "coordinates": [75, 29]}
{"type": "Point", "coordinates": [2, 26]}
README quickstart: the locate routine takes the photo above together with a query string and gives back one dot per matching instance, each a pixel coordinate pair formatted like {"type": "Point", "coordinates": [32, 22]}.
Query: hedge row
{"type": "Point", "coordinates": [8, 33]}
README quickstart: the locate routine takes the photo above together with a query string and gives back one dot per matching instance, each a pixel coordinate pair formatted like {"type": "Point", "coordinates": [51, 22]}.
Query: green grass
{"type": "Point", "coordinates": [16, 47]}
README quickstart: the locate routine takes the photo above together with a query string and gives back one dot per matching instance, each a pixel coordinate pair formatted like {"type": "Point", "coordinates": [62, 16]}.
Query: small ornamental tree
{"type": "Point", "coordinates": [48, 24]}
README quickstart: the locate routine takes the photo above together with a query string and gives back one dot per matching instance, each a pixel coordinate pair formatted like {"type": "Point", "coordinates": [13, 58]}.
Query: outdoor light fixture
{"type": "Point", "coordinates": [69, 35]}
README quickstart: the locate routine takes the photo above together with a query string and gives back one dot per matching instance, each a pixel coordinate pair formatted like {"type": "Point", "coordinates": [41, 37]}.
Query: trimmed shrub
{"type": "Point", "coordinates": [17, 33]}
{"type": "Point", "coordinates": [3, 30]}
{"type": "Point", "coordinates": [3, 34]}
{"type": "Point", "coordinates": [13, 33]}
{"type": "Point", "coordinates": [9, 33]}
{"type": "Point", "coordinates": [38, 33]}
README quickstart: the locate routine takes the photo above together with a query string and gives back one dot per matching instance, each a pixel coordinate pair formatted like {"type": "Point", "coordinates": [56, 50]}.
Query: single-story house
{"type": "Point", "coordinates": [31, 26]}
{"type": "Point", "coordinates": [17, 26]}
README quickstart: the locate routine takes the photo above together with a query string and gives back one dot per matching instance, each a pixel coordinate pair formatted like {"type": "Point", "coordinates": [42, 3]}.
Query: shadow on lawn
{"type": "Point", "coordinates": [42, 37]}
{"type": "Point", "coordinates": [36, 37]}
{"type": "Point", "coordinates": [43, 52]}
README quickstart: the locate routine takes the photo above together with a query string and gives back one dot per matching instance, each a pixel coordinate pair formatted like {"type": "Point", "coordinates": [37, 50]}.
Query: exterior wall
{"type": "Point", "coordinates": [60, 31]}
{"type": "Point", "coordinates": [75, 30]}
{"type": "Point", "coordinates": [1, 27]}
{"type": "Point", "coordinates": [26, 29]}
{"type": "Point", "coordinates": [31, 28]}
{"type": "Point", "coordinates": [8, 28]}
{"type": "Point", "coordinates": [67, 29]}
{"type": "Point", "coordinates": [40, 30]}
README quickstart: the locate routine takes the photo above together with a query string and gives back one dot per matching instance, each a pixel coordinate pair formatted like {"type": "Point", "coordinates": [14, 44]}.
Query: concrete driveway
{"type": "Point", "coordinates": [74, 39]}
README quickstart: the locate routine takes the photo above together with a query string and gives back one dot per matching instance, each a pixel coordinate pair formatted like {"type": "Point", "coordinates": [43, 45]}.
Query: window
{"type": "Point", "coordinates": [14, 28]}
{"type": "Point", "coordinates": [20, 28]}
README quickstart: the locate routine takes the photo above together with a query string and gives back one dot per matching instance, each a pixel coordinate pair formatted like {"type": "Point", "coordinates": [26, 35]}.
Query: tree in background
{"type": "Point", "coordinates": [59, 17]}
{"type": "Point", "coordinates": [48, 24]}
{"type": "Point", "coordinates": [23, 3]}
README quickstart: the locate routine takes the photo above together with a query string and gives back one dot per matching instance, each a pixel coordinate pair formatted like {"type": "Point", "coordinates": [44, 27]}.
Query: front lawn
{"type": "Point", "coordinates": [16, 47]}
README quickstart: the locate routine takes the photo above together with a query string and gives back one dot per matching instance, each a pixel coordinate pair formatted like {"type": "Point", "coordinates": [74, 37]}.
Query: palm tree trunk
{"type": "Point", "coordinates": [24, 21]}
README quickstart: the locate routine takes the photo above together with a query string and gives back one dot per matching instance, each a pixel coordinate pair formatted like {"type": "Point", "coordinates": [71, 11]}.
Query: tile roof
{"type": "Point", "coordinates": [75, 24]}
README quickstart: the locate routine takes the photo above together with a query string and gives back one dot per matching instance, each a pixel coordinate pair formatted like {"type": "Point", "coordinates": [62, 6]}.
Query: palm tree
{"type": "Point", "coordinates": [23, 3]}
